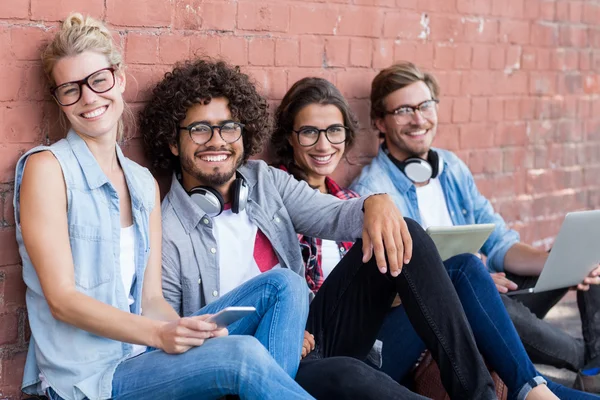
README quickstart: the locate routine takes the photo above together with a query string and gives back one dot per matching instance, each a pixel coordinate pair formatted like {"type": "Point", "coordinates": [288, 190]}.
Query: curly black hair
{"type": "Point", "coordinates": [197, 82]}
{"type": "Point", "coordinates": [306, 91]}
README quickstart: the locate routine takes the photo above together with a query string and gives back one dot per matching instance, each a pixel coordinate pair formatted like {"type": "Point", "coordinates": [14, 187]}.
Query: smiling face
{"type": "Point", "coordinates": [213, 163]}
{"type": "Point", "coordinates": [408, 137]}
{"type": "Point", "coordinates": [95, 114]}
{"type": "Point", "coordinates": [320, 159]}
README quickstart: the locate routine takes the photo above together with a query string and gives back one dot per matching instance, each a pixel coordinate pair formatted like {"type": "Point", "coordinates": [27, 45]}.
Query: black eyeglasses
{"type": "Point", "coordinates": [426, 109]}
{"type": "Point", "coordinates": [309, 135]}
{"type": "Point", "coordinates": [202, 133]}
{"type": "Point", "coordinates": [69, 93]}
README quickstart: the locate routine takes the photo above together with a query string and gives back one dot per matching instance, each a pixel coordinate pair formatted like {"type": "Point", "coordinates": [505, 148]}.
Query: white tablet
{"type": "Point", "coordinates": [453, 240]}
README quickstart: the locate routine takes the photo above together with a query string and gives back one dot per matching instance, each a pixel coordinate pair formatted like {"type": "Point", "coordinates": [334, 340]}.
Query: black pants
{"type": "Point", "coordinates": [547, 344]}
{"type": "Point", "coordinates": [348, 311]}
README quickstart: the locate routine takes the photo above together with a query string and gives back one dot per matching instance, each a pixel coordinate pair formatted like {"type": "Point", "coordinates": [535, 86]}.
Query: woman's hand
{"type": "Point", "coordinates": [308, 345]}
{"type": "Point", "coordinates": [179, 336]}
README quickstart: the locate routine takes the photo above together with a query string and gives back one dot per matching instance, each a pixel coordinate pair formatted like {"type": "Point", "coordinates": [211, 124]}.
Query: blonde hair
{"type": "Point", "coordinates": [79, 34]}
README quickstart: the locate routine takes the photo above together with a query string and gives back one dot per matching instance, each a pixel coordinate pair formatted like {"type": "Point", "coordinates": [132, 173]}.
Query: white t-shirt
{"type": "Point", "coordinates": [246, 251]}
{"type": "Point", "coordinates": [432, 205]}
{"type": "Point", "coordinates": [127, 258]}
{"type": "Point", "coordinates": [330, 256]}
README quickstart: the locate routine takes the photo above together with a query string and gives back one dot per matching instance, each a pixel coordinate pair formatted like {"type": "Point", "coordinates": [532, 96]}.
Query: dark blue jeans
{"type": "Point", "coordinates": [494, 332]}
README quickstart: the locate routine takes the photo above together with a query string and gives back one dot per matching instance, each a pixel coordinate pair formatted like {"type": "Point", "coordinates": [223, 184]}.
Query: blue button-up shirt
{"type": "Point", "coordinates": [465, 204]}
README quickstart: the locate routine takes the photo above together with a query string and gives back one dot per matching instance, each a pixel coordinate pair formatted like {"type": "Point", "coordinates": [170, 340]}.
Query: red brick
{"type": "Point", "coordinates": [495, 109]}
{"type": "Point", "coordinates": [479, 109]}
{"type": "Point", "coordinates": [140, 81]}
{"type": "Point", "coordinates": [14, 9]}
{"type": "Point", "coordinates": [424, 56]}
{"type": "Point", "coordinates": [9, 333]}
{"type": "Point", "coordinates": [173, 48]}
{"type": "Point", "coordinates": [508, 8]}
{"type": "Point", "coordinates": [461, 110]}
{"type": "Point", "coordinates": [447, 137]}
{"type": "Point", "coordinates": [476, 136]}
{"type": "Point", "coordinates": [511, 109]}
{"type": "Point", "coordinates": [542, 83]}
{"type": "Point", "coordinates": [477, 7]}
{"type": "Point", "coordinates": [515, 32]}
{"type": "Point", "coordinates": [383, 53]}
{"type": "Point", "coordinates": [498, 57]}
{"type": "Point", "coordinates": [337, 51]}
{"type": "Point", "coordinates": [511, 134]}
{"type": "Point", "coordinates": [404, 25]}
{"type": "Point", "coordinates": [235, 49]}
{"type": "Point", "coordinates": [360, 21]}
{"type": "Point", "coordinates": [591, 12]}
{"type": "Point", "coordinates": [12, 368]}
{"type": "Point", "coordinates": [477, 83]}
{"type": "Point", "coordinates": [10, 81]}
{"type": "Point", "coordinates": [355, 84]}
{"type": "Point", "coordinates": [33, 83]}
{"type": "Point", "coordinates": [207, 45]}
{"type": "Point", "coordinates": [444, 113]}
{"type": "Point", "coordinates": [405, 51]}
{"type": "Point", "coordinates": [528, 58]}
{"type": "Point", "coordinates": [481, 57]}
{"type": "Point", "coordinates": [513, 59]}
{"type": "Point", "coordinates": [27, 42]}
{"type": "Point", "coordinates": [443, 56]}
{"type": "Point", "coordinates": [485, 160]}
{"type": "Point", "coordinates": [287, 52]}
{"type": "Point", "coordinates": [576, 11]}
{"type": "Point", "coordinates": [9, 251]}
{"type": "Point", "coordinates": [480, 30]}
{"type": "Point", "coordinates": [312, 51]}
{"type": "Point", "coordinates": [315, 18]}
{"type": "Point", "coordinates": [295, 74]}
{"type": "Point", "coordinates": [544, 34]}
{"type": "Point", "coordinates": [562, 11]}
{"type": "Point", "coordinates": [261, 51]}
{"type": "Point", "coordinates": [548, 9]}
{"type": "Point", "coordinates": [463, 56]}
{"type": "Point", "coordinates": [532, 9]}
{"type": "Point", "coordinates": [153, 13]}
{"type": "Point", "coordinates": [573, 36]}
{"type": "Point", "coordinates": [450, 83]}
{"type": "Point", "coordinates": [360, 52]}
{"type": "Point", "coordinates": [527, 108]}
{"type": "Point", "coordinates": [272, 82]}
{"type": "Point", "coordinates": [215, 15]}
{"type": "Point", "coordinates": [13, 288]}
{"type": "Point", "coordinates": [270, 17]}
{"type": "Point", "coordinates": [8, 209]}
{"type": "Point", "coordinates": [445, 27]}
{"type": "Point", "coordinates": [22, 124]}
{"type": "Point", "coordinates": [515, 83]}
{"type": "Point", "coordinates": [382, 3]}
{"type": "Point", "coordinates": [141, 48]}
{"type": "Point", "coordinates": [543, 59]}
{"type": "Point", "coordinates": [57, 10]}
{"type": "Point", "coordinates": [441, 6]}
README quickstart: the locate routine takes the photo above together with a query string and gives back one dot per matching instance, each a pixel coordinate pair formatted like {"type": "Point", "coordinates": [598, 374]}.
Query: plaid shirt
{"type": "Point", "coordinates": [311, 247]}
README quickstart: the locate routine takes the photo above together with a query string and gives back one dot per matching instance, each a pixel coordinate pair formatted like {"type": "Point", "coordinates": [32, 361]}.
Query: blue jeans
{"type": "Point", "coordinates": [259, 367]}
{"type": "Point", "coordinates": [494, 333]}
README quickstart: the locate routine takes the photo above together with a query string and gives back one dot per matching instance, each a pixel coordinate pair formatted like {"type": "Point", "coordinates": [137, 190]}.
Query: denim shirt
{"type": "Point", "coordinates": [465, 204]}
{"type": "Point", "coordinates": [278, 204]}
{"type": "Point", "coordinates": [77, 363]}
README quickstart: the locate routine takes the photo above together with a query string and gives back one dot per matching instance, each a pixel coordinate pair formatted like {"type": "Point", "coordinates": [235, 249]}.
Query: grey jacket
{"type": "Point", "coordinates": [278, 204]}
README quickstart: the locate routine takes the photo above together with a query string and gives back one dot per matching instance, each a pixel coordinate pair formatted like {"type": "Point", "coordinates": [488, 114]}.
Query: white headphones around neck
{"type": "Point", "coordinates": [211, 201]}
{"type": "Point", "coordinates": [417, 169]}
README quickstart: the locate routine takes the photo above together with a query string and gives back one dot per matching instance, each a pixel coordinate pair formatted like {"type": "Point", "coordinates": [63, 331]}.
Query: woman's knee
{"type": "Point", "coordinates": [468, 263]}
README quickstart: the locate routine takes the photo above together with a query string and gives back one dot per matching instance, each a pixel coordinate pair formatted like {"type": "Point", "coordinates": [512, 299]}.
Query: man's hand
{"type": "Point", "coordinates": [592, 279]}
{"type": "Point", "coordinates": [385, 231]}
{"type": "Point", "coordinates": [503, 284]}
{"type": "Point", "coordinates": [308, 345]}
{"type": "Point", "coordinates": [179, 336]}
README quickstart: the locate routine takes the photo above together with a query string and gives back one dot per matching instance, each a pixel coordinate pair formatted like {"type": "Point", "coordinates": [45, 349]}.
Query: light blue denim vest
{"type": "Point", "coordinates": [76, 363]}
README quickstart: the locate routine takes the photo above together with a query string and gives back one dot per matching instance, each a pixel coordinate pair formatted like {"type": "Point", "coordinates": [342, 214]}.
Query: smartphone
{"type": "Point", "coordinates": [229, 315]}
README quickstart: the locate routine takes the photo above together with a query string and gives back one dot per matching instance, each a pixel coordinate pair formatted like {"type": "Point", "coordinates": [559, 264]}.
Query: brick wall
{"type": "Point", "coordinates": [519, 79]}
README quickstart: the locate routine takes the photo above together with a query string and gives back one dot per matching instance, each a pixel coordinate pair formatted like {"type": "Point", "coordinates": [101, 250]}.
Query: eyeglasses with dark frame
{"type": "Point", "coordinates": [309, 135]}
{"type": "Point", "coordinates": [202, 133]}
{"type": "Point", "coordinates": [69, 93]}
{"type": "Point", "coordinates": [426, 109]}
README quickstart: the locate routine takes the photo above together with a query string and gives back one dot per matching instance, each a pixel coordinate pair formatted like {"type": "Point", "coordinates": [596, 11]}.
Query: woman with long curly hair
{"type": "Point", "coordinates": [315, 128]}
{"type": "Point", "coordinates": [89, 232]}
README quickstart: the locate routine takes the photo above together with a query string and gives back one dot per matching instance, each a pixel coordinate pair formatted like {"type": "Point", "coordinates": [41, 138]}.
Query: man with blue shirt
{"type": "Point", "coordinates": [435, 188]}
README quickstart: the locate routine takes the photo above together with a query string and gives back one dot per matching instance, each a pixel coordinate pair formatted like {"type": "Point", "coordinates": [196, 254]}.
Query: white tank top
{"type": "Point", "coordinates": [128, 272]}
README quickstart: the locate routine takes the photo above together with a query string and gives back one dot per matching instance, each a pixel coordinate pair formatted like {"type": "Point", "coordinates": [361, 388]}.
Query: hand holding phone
{"type": "Point", "coordinates": [229, 315]}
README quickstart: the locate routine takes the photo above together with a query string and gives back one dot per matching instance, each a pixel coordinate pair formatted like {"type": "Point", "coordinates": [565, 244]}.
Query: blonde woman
{"type": "Point", "coordinates": [89, 233]}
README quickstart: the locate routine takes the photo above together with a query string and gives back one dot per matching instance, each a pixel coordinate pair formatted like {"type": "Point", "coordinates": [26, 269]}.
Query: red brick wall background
{"type": "Point", "coordinates": [520, 83]}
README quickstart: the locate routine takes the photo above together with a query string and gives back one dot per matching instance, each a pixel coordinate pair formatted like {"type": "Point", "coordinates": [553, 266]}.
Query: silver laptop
{"type": "Point", "coordinates": [575, 253]}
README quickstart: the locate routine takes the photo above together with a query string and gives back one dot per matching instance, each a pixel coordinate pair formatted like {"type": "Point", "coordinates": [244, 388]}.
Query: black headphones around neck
{"type": "Point", "coordinates": [211, 201]}
{"type": "Point", "coordinates": [415, 168]}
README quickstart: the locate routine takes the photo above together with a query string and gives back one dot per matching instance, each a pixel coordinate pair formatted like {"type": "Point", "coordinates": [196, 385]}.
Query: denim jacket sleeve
{"type": "Point", "coordinates": [319, 215]}
{"type": "Point", "coordinates": [502, 238]}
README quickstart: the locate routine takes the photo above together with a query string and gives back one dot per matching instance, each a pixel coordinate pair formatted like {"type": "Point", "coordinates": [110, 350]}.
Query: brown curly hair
{"type": "Point", "coordinates": [303, 93]}
{"type": "Point", "coordinates": [194, 82]}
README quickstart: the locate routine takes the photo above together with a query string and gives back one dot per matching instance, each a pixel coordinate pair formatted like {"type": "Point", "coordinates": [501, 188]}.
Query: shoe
{"type": "Point", "coordinates": [588, 380]}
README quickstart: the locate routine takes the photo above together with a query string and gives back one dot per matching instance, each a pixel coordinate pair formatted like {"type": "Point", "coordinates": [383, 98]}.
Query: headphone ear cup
{"type": "Point", "coordinates": [240, 195]}
{"type": "Point", "coordinates": [417, 170]}
{"type": "Point", "coordinates": [436, 163]}
{"type": "Point", "coordinates": [208, 199]}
